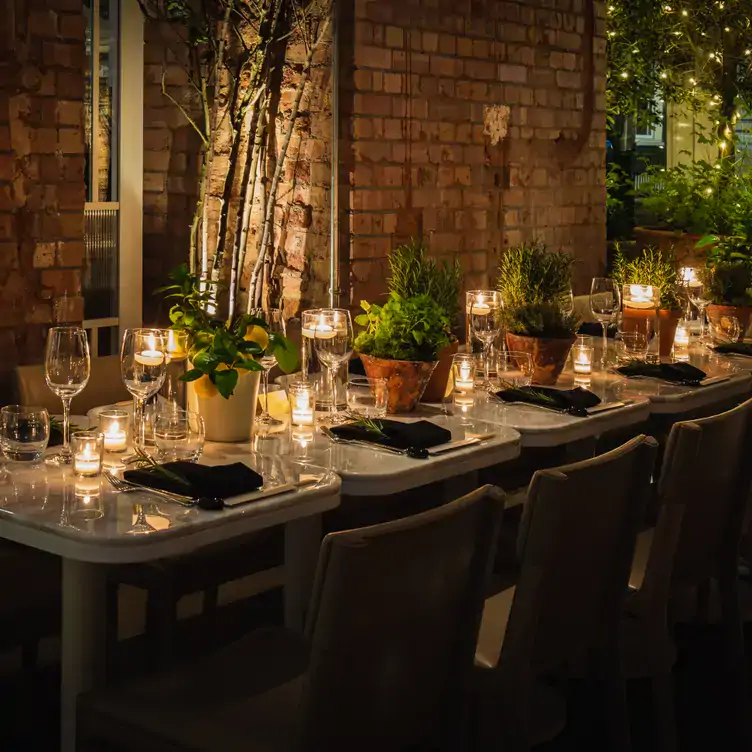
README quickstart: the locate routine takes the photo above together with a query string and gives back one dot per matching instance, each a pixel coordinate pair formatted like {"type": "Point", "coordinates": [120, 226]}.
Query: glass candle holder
{"type": "Point", "coordinates": [302, 404]}
{"type": "Point", "coordinates": [681, 338]}
{"type": "Point", "coordinates": [113, 425]}
{"type": "Point", "coordinates": [88, 448]}
{"type": "Point", "coordinates": [463, 380]}
{"type": "Point", "coordinates": [582, 359]}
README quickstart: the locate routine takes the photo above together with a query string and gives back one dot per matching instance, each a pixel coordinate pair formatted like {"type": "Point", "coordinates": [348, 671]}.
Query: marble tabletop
{"type": "Point", "coordinates": [48, 508]}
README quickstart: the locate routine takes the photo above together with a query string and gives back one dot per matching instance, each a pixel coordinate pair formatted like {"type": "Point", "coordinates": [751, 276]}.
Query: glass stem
{"type": "Point", "coordinates": [604, 354]}
{"type": "Point", "coordinates": [265, 411]}
{"type": "Point", "coordinates": [138, 423]}
{"type": "Point", "coordinates": [66, 450]}
{"type": "Point", "coordinates": [487, 364]}
{"type": "Point", "coordinates": [333, 387]}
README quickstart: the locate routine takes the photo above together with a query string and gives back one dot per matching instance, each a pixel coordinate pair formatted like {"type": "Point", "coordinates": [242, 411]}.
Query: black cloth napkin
{"type": "Point", "coordinates": [734, 348]}
{"type": "Point", "coordinates": [677, 373]}
{"type": "Point", "coordinates": [201, 481]}
{"type": "Point", "coordinates": [421, 434]}
{"type": "Point", "coordinates": [575, 401]}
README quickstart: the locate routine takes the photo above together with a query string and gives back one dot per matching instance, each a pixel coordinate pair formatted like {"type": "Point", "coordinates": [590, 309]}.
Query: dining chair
{"type": "Point", "coordinates": [385, 663]}
{"type": "Point", "coordinates": [575, 546]}
{"type": "Point", "coordinates": [693, 550]}
{"type": "Point", "coordinates": [105, 387]}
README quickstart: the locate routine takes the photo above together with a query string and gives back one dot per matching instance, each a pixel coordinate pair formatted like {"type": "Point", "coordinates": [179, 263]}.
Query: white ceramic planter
{"type": "Point", "coordinates": [228, 420]}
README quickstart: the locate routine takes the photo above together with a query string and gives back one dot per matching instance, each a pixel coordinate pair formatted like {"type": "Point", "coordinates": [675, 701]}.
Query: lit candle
{"type": "Point", "coordinates": [114, 426]}
{"type": "Point", "coordinates": [176, 345]}
{"type": "Point", "coordinates": [87, 453]}
{"type": "Point", "coordinates": [480, 307]}
{"type": "Point", "coordinates": [466, 377]}
{"type": "Point", "coordinates": [324, 330]}
{"type": "Point", "coordinates": [688, 276]}
{"type": "Point", "coordinates": [640, 296]}
{"type": "Point", "coordinates": [87, 462]}
{"type": "Point", "coordinates": [301, 404]}
{"type": "Point", "coordinates": [151, 356]}
{"type": "Point", "coordinates": [582, 357]}
{"type": "Point", "coordinates": [681, 338]}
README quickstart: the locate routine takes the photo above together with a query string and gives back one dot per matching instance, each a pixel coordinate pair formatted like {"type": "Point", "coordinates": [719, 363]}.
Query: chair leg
{"type": "Point", "coordinates": [663, 709]}
{"type": "Point", "coordinates": [734, 634]}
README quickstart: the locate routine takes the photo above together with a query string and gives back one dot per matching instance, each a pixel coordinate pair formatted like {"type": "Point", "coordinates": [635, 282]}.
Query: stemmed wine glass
{"type": "Point", "coordinates": [275, 324]}
{"type": "Point", "coordinates": [697, 292]}
{"type": "Point", "coordinates": [485, 323]}
{"type": "Point", "coordinates": [333, 342]}
{"type": "Point", "coordinates": [67, 366]}
{"type": "Point", "coordinates": [605, 303]}
{"type": "Point", "coordinates": [143, 367]}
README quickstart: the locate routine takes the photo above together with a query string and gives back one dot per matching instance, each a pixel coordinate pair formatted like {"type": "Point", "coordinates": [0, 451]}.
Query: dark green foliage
{"type": "Point", "coordinates": [651, 267]}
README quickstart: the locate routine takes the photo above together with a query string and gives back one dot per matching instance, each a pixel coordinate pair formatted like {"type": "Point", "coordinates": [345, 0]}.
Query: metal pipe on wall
{"type": "Point", "coordinates": [334, 269]}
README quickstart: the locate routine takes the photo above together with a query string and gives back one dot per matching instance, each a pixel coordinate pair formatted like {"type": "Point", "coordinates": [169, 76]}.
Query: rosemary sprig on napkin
{"type": "Point", "coordinates": [142, 461]}
{"type": "Point", "coordinates": [529, 391]}
{"type": "Point", "coordinates": [372, 426]}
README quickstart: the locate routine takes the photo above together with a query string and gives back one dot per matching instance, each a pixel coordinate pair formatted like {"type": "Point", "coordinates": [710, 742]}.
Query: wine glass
{"type": "Point", "coordinates": [333, 342]}
{"type": "Point", "coordinates": [514, 368]}
{"type": "Point", "coordinates": [67, 366]}
{"type": "Point", "coordinates": [275, 323]}
{"type": "Point", "coordinates": [605, 303]}
{"type": "Point", "coordinates": [485, 323]}
{"type": "Point", "coordinates": [726, 330]}
{"type": "Point", "coordinates": [699, 296]}
{"type": "Point", "coordinates": [143, 367]}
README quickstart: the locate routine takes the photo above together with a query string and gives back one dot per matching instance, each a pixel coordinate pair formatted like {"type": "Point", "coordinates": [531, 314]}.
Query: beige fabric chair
{"type": "Point", "coordinates": [105, 387]}
{"type": "Point", "coordinates": [385, 665]}
{"type": "Point", "coordinates": [703, 491]}
{"type": "Point", "coordinates": [576, 543]}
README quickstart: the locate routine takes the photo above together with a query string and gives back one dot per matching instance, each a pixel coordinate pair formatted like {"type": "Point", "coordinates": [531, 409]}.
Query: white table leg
{"type": "Point", "coordinates": [83, 640]}
{"type": "Point", "coordinates": [302, 542]}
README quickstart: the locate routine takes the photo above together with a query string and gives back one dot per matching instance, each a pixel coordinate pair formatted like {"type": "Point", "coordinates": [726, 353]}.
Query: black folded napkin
{"type": "Point", "coordinates": [734, 348]}
{"type": "Point", "coordinates": [200, 481]}
{"type": "Point", "coordinates": [575, 401]}
{"type": "Point", "coordinates": [594, 329]}
{"type": "Point", "coordinates": [677, 373]}
{"type": "Point", "coordinates": [421, 434]}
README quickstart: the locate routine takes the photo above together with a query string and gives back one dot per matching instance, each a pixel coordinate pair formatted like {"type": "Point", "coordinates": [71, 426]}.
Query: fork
{"type": "Point", "coordinates": [126, 486]}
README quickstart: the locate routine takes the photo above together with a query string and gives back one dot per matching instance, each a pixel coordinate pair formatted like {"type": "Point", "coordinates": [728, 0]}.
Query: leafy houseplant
{"type": "Point", "coordinates": [729, 279]}
{"type": "Point", "coordinates": [223, 356]}
{"type": "Point", "coordinates": [401, 342]}
{"type": "Point", "coordinates": [657, 269]}
{"type": "Point", "coordinates": [536, 286]}
{"type": "Point", "coordinates": [414, 272]}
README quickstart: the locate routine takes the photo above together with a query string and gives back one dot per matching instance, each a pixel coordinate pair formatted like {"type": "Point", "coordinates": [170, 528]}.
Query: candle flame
{"type": "Point", "coordinates": [152, 342]}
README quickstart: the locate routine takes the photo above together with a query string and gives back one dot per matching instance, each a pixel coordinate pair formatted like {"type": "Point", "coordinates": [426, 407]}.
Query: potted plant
{"type": "Point", "coordinates": [224, 372]}
{"type": "Point", "coordinates": [535, 285]}
{"type": "Point", "coordinates": [729, 280]}
{"type": "Point", "coordinates": [414, 273]}
{"type": "Point", "coordinates": [656, 269]}
{"type": "Point", "coordinates": [401, 343]}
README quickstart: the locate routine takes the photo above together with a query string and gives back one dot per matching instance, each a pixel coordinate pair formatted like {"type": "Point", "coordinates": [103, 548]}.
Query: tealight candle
{"type": "Point", "coordinates": [176, 348]}
{"type": "Point", "coordinates": [480, 307]}
{"type": "Point", "coordinates": [302, 404]}
{"type": "Point", "coordinates": [114, 426]}
{"type": "Point", "coordinates": [688, 276]}
{"type": "Point", "coordinates": [582, 359]}
{"type": "Point", "coordinates": [681, 338]}
{"type": "Point", "coordinates": [150, 356]}
{"type": "Point", "coordinates": [87, 449]}
{"type": "Point", "coordinates": [640, 296]}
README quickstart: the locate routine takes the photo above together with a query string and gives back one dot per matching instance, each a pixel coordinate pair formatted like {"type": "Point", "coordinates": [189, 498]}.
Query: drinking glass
{"type": "Point", "coordinates": [485, 323]}
{"type": "Point", "coordinates": [605, 303]}
{"type": "Point", "coordinates": [514, 369]}
{"type": "Point", "coordinates": [143, 366]}
{"type": "Point", "coordinates": [367, 398]}
{"type": "Point", "coordinates": [699, 296]}
{"type": "Point", "coordinates": [308, 321]}
{"type": "Point", "coordinates": [24, 432]}
{"type": "Point", "coordinates": [726, 330]}
{"type": "Point", "coordinates": [636, 345]}
{"type": "Point", "coordinates": [566, 302]}
{"type": "Point", "coordinates": [275, 324]}
{"type": "Point", "coordinates": [333, 342]}
{"type": "Point", "coordinates": [179, 435]}
{"type": "Point", "coordinates": [67, 367]}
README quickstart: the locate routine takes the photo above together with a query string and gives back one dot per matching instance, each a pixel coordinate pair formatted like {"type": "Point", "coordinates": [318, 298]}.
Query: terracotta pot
{"type": "Point", "coordinates": [667, 323]}
{"type": "Point", "coordinates": [406, 380]}
{"type": "Point", "coordinates": [681, 244]}
{"type": "Point", "coordinates": [633, 320]}
{"type": "Point", "coordinates": [742, 313]}
{"type": "Point", "coordinates": [437, 384]}
{"type": "Point", "coordinates": [549, 355]}
{"type": "Point", "coordinates": [228, 420]}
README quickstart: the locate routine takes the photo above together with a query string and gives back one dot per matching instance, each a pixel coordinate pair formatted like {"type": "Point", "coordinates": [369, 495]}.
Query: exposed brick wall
{"type": "Point", "coordinates": [42, 190]}
{"type": "Point", "coordinates": [420, 163]}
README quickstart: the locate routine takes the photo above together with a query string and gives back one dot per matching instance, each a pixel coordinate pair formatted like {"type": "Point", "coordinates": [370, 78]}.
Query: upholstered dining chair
{"type": "Point", "coordinates": [693, 550]}
{"type": "Point", "coordinates": [105, 387]}
{"type": "Point", "coordinates": [575, 545]}
{"type": "Point", "coordinates": [385, 663]}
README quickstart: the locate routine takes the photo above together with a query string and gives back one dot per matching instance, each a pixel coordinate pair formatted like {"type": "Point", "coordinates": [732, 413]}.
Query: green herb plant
{"type": "Point", "coordinates": [535, 285]}
{"type": "Point", "coordinates": [414, 328]}
{"type": "Point", "coordinates": [221, 349]}
{"type": "Point", "coordinates": [413, 272]}
{"type": "Point", "coordinates": [650, 267]}
{"type": "Point", "coordinates": [729, 269]}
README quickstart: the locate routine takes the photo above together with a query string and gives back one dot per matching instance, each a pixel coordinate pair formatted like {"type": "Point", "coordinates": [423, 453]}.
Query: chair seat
{"type": "Point", "coordinates": [245, 697]}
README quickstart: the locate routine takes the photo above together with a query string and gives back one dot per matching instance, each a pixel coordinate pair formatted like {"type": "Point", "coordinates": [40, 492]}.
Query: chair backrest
{"type": "Point", "coordinates": [703, 489]}
{"type": "Point", "coordinates": [576, 542]}
{"type": "Point", "coordinates": [105, 387]}
{"type": "Point", "coordinates": [393, 624]}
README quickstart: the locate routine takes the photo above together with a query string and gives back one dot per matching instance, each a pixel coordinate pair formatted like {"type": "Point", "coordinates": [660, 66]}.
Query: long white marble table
{"type": "Point", "coordinates": [48, 509]}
